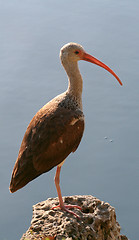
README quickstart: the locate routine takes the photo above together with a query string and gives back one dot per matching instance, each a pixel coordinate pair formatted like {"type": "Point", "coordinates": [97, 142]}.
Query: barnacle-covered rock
{"type": "Point", "coordinates": [97, 221]}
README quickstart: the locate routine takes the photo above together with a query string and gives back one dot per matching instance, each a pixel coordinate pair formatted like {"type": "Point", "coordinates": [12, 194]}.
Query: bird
{"type": "Point", "coordinates": [56, 129]}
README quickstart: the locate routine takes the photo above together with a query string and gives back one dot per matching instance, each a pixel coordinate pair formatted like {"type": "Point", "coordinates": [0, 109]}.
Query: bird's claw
{"type": "Point", "coordinates": [67, 207]}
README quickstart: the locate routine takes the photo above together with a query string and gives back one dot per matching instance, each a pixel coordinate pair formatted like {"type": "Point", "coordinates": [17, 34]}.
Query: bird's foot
{"type": "Point", "coordinates": [67, 207]}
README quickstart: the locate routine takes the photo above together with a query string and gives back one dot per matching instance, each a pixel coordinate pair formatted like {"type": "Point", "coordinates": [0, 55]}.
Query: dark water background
{"type": "Point", "coordinates": [106, 164]}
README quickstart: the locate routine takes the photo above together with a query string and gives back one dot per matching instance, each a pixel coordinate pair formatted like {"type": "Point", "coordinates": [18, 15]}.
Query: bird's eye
{"type": "Point", "coordinates": [76, 52]}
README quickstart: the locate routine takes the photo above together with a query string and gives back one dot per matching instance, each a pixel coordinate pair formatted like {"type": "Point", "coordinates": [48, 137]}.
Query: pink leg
{"type": "Point", "coordinates": [61, 203]}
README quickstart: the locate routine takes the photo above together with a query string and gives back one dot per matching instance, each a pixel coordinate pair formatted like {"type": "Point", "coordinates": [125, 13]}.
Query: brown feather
{"type": "Point", "coordinates": [50, 137]}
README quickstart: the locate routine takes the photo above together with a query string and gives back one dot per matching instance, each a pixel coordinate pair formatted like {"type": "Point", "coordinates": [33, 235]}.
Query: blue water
{"type": "Point", "coordinates": [106, 164]}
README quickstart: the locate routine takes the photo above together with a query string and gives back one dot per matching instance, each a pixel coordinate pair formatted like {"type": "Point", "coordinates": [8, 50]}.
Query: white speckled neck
{"type": "Point", "coordinates": [75, 85]}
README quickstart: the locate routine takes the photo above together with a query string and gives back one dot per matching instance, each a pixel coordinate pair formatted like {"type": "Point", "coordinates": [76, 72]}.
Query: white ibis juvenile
{"type": "Point", "coordinates": [57, 128]}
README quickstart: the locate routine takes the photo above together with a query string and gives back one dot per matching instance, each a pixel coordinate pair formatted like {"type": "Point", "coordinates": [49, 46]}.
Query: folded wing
{"type": "Point", "coordinates": [51, 136]}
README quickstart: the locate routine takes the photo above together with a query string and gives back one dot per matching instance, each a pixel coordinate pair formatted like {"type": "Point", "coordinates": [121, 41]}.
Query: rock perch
{"type": "Point", "coordinates": [97, 221]}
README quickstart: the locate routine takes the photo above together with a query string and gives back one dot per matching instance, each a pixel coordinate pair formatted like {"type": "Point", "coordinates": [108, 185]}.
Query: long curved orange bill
{"type": "Point", "coordinates": [87, 57]}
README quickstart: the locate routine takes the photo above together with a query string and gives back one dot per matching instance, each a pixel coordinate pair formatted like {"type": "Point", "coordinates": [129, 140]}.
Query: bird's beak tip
{"type": "Point", "coordinates": [87, 57]}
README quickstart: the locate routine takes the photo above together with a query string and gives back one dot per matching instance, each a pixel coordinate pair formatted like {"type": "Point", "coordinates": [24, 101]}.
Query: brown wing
{"type": "Point", "coordinates": [51, 136]}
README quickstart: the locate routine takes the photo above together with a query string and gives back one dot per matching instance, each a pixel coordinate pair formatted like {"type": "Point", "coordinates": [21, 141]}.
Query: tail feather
{"type": "Point", "coordinates": [22, 175]}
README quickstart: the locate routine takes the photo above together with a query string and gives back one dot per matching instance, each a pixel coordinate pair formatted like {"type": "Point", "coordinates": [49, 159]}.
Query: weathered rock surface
{"type": "Point", "coordinates": [97, 221]}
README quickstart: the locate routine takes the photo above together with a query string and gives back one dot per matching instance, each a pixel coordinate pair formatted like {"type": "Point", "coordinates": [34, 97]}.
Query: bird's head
{"type": "Point", "coordinates": [73, 52]}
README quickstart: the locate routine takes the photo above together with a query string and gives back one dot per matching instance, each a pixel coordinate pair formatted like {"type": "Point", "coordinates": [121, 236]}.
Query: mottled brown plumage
{"type": "Point", "coordinates": [57, 128]}
{"type": "Point", "coordinates": [49, 139]}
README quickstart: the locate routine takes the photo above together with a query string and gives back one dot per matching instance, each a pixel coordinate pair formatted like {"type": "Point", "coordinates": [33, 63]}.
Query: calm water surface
{"type": "Point", "coordinates": [106, 164]}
